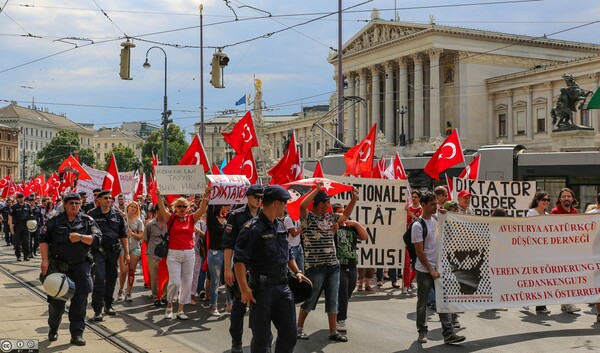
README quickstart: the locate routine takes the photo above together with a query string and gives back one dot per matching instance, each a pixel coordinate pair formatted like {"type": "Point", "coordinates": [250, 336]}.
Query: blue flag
{"type": "Point", "coordinates": [223, 164]}
{"type": "Point", "coordinates": [241, 100]}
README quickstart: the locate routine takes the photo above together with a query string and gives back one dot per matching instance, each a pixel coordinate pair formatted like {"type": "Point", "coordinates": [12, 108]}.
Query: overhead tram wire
{"type": "Point", "coordinates": [110, 19]}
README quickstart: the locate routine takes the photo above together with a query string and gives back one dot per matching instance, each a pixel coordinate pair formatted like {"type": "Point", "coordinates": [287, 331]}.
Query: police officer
{"type": "Point", "coordinates": [262, 248]}
{"type": "Point", "coordinates": [235, 221]}
{"type": "Point", "coordinates": [4, 212]}
{"type": "Point", "coordinates": [16, 221]}
{"type": "Point", "coordinates": [36, 212]}
{"type": "Point", "coordinates": [106, 255]}
{"type": "Point", "coordinates": [88, 206]}
{"type": "Point", "coordinates": [65, 248]}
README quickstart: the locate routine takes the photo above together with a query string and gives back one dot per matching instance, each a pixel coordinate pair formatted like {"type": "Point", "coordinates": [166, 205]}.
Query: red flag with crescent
{"type": "Point", "coordinates": [300, 188]}
{"type": "Point", "coordinates": [359, 159]}
{"type": "Point", "coordinates": [472, 170]}
{"type": "Point", "coordinates": [446, 156]}
{"type": "Point", "coordinates": [111, 179]}
{"type": "Point", "coordinates": [70, 165]}
{"type": "Point", "coordinates": [5, 181]}
{"type": "Point", "coordinates": [195, 155]}
{"type": "Point", "coordinates": [154, 161]}
{"type": "Point", "coordinates": [243, 165]}
{"type": "Point", "coordinates": [399, 172]}
{"type": "Point", "coordinates": [243, 135]}
{"type": "Point", "coordinates": [288, 168]}
{"type": "Point", "coordinates": [318, 170]}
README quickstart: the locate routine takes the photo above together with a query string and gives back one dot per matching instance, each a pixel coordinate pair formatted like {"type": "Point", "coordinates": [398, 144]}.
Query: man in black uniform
{"type": "Point", "coordinates": [88, 206]}
{"type": "Point", "coordinates": [235, 221]}
{"type": "Point", "coordinates": [36, 212]}
{"type": "Point", "coordinates": [65, 248]}
{"type": "Point", "coordinates": [262, 248]}
{"type": "Point", "coordinates": [16, 221]}
{"type": "Point", "coordinates": [106, 255]}
{"type": "Point", "coordinates": [4, 212]}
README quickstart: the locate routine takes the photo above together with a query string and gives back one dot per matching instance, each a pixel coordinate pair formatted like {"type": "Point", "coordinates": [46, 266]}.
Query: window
{"type": "Point", "coordinates": [105, 145]}
{"type": "Point", "coordinates": [502, 125]}
{"type": "Point", "coordinates": [26, 131]}
{"type": "Point", "coordinates": [8, 170]}
{"type": "Point", "coordinates": [540, 119]}
{"type": "Point", "coordinates": [218, 143]}
{"type": "Point", "coordinates": [9, 154]}
{"type": "Point", "coordinates": [112, 145]}
{"type": "Point", "coordinates": [521, 124]}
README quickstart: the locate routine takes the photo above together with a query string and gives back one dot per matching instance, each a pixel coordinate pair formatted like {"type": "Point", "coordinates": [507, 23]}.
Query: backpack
{"type": "Point", "coordinates": [407, 237]}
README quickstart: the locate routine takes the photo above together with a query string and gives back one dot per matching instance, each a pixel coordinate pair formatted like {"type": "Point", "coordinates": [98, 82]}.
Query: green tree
{"type": "Point", "coordinates": [59, 148]}
{"type": "Point", "coordinates": [125, 157]}
{"type": "Point", "coordinates": [87, 157]}
{"type": "Point", "coordinates": [176, 145]}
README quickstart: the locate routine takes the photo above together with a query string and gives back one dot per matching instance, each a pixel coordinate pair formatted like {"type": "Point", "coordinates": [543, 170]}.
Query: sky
{"type": "Point", "coordinates": [65, 54]}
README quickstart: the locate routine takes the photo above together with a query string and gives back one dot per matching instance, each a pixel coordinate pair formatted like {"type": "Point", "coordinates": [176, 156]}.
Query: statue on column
{"type": "Point", "coordinates": [562, 113]}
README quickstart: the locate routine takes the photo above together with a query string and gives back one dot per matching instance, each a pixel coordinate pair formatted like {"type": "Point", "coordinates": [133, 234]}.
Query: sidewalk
{"type": "Point", "coordinates": [24, 316]}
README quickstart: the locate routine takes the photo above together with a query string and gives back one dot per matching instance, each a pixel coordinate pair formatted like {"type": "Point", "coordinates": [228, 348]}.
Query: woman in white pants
{"type": "Point", "coordinates": [180, 259]}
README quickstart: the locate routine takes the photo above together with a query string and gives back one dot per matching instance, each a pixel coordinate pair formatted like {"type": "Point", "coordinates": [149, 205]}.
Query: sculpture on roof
{"type": "Point", "coordinates": [562, 113]}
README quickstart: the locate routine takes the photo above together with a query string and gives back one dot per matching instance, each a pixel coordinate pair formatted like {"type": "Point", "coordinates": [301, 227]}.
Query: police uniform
{"type": "Point", "coordinates": [235, 221]}
{"type": "Point", "coordinates": [262, 246]}
{"type": "Point", "coordinates": [74, 260]}
{"type": "Point", "coordinates": [106, 257]}
{"type": "Point", "coordinates": [19, 213]}
{"type": "Point", "coordinates": [8, 236]}
{"type": "Point", "coordinates": [36, 212]}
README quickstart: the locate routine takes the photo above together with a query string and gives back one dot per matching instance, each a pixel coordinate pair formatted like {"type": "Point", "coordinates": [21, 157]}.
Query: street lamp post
{"type": "Point", "coordinates": [166, 113]}
{"type": "Point", "coordinates": [402, 111]}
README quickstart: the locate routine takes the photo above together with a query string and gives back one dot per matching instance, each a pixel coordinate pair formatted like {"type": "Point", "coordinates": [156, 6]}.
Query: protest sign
{"type": "Point", "coordinates": [228, 189]}
{"type": "Point", "coordinates": [512, 196]}
{"type": "Point", "coordinates": [127, 179]}
{"type": "Point", "coordinates": [380, 209]}
{"type": "Point", "coordinates": [180, 179]}
{"type": "Point", "coordinates": [499, 262]}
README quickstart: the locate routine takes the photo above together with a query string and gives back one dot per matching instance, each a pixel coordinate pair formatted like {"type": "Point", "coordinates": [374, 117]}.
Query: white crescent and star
{"type": "Point", "coordinates": [295, 170]}
{"type": "Point", "coordinates": [196, 158]}
{"type": "Point", "coordinates": [366, 153]}
{"type": "Point", "coordinates": [249, 164]}
{"type": "Point", "coordinates": [247, 129]}
{"type": "Point", "coordinates": [452, 147]}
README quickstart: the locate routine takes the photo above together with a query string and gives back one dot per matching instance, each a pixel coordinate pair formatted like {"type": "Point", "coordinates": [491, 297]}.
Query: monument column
{"type": "Point", "coordinates": [375, 98]}
{"type": "Point", "coordinates": [402, 94]}
{"type": "Point", "coordinates": [362, 108]}
{"type": "Point", "coordinates": [510, 131]}
{"type": "Point", "coordinates": [418, 90]}
{"type": "Point", "coordinates": [529, 122]}
{"type": "Point", "coordinates": [492, 119]}
{"type": "Point", "coordinates": [434, 95]}
{"type": "Point", "coordinates": [388, 127]}
{"type": "Point", "coordinates": [549, 105]}
{"type": "Point", "coordinates": [351, 120]}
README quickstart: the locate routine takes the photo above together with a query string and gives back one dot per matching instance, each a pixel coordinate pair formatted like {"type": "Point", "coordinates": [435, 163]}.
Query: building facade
{"type": "Point", "coordinates": [9, 150]}
{"type": "Point", "coordinates": [105, 139]}
{"type": "Point", "coordinates": [140, 128]}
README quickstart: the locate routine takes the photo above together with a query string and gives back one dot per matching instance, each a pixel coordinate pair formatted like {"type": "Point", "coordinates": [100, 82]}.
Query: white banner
{"type": "Point", "coordinates": [512, 196]}
{"type": "Point", "coordinates": [228, 189]}
{"type": "Point", "coordinates": [380, 209]}
{"type": "Point", "coordinates": [499, 262]}
{"type": "Point", "coordinates": [127, 179]}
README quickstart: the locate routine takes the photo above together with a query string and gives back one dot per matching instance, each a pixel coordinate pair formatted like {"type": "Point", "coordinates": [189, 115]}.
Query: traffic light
{"type": "Point", "coordinates": [125, 59]}
{"type": "Point", "coordinates": [219, 61]}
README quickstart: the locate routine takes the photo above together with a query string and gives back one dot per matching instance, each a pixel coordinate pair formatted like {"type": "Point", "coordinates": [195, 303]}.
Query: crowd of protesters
{"type": "Point", "coordinates": [202, 244]}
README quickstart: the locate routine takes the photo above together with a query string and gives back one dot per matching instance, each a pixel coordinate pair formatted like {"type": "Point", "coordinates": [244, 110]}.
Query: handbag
{"type": "Point", "coordinates": [162, 248]}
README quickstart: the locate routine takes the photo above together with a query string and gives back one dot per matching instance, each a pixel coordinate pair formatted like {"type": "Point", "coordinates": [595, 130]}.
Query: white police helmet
{"type": "Point", "coordinates": [59, 286]}
{"type": "Point", "coordinates": [31, 224]}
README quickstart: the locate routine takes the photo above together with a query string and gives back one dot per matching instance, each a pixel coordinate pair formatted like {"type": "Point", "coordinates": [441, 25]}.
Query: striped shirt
{"type": "Point", "coordinates": [319, 246]}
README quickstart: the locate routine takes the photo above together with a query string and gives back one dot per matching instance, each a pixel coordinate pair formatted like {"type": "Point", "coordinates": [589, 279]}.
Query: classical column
{"type": "Point", "coordinates": [351, 125]}
{"type": "Point", "coordinates": [375, 98]}
{"type": "Point", "coordinates": [362, 108]}
{"type": "Point", "coordinates": [434, 97]}
{"type": "Point", "coordinates": [388, 128]}
{"type": "Point", "coordinates": [510, 132]}
{"type": "Point", "coordinates": [418, 89]}
{"type": "Point", "coordinates": [402, 94]}
{"type": "Point", "coordinates": [529, 118]}
{"type": "Point", "coordinates": [492, 119]}
{"type": "Point", "coordinates": [549, 105]}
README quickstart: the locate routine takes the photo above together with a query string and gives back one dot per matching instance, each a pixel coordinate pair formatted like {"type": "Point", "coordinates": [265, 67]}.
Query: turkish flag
{"type": "Point", "coordinates": [318, 170]}
{"type": "Point", "coordinates": [243, 135]}
{"type": "Point", "coordinates": [399, 172]}
{"type": "Point", "coordinates": [243, 165]}
{"type": "Point", "coordinates": [39, 184]}
{"type": "Point", "coordinates": [195, 155]}
{"type": "Point", "coordinates": [359, 159]}
{"type": "Point", "coordinates": [215, 170]}
{"type": "Point", "coordinates": [152, 189]}
{"type": "Point", "coordinates": [450, 186]}
{"type": "Point", "coordinates": [300, 188]}
{"type": "Point", "coordinates": [71, 165]}
{"type": "Point", "coordinates": [446, 156]}
{"type": "Point", "coordinates": [4, 182]}
{"type": "Point", "coordinates": [288, 168]}
{"type": "Point", "coordinates": [9, 190]}
{"type": "Point", "coordinates": [472, 170]}
{"type": "Point", "coordinates": [379, 169]}
{"type": "Point", "coordinates": [154, 161]}
{"type": "Point", "coordinates": [111, 179]}
{"type": "Point", "coordinates": [141, 187]}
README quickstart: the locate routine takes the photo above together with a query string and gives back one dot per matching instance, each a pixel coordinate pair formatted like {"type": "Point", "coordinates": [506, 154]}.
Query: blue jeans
{"type": "Point", "coordinates": [298, 254]}
{"type": "Point", "coordinates": [324, 278]}
{"type": "Point", "coordinates": [216, 262]}
{"type": "Point", "coordinates": [424, 285]}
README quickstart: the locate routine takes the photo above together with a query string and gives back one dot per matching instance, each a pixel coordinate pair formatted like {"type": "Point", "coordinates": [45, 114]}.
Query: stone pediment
{"type": "Point", "coordinates": [378, 33]}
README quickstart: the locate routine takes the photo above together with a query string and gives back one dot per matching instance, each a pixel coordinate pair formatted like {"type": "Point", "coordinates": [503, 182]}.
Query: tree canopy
{"type": "Point", "coordinates": [125, 157]}
{"type": "Point", "coordinates": [176, 146]}
{"type": "Point", "coordinates": [65, 143]}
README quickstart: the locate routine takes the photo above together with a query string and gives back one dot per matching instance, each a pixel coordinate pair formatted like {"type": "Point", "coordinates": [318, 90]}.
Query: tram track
{"type": "Point", "coordinates": [122, 344]}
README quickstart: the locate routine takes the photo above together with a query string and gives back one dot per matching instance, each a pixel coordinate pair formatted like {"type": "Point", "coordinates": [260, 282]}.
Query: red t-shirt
{"type": "Point", "coordinates": [181, 232]}
{"type": "Point", "coordinates": [560, 210]}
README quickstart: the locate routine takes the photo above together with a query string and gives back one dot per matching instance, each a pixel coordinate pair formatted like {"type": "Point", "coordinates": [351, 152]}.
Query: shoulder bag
{"type": "Point", "coordinates": [162, 249]}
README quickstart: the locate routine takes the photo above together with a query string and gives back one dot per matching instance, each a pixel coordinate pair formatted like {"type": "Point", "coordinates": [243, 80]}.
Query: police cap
{"type": "Point", "coordinates": [29, 198]}
{"type": "Point", "coordinates": [276, 192]}
{"type": "Point", "coordinates": [72, 196]}
{"type": "Point", "coordinates": [19, 195]}
{"type": "Point", "coordinates": [103, 193]}
{"type": "Point", "coordinates": [96, 190]}
{"type": "Point", "coordinates": [82, 193]}
{"type": "Point", "coordinates": [255, 189]}
{"type": "Point", "coordinates": [301, 290]}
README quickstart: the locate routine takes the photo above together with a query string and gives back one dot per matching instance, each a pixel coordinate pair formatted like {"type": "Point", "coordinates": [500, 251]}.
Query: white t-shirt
{"type": "Point", "coordinates": [594, 210]}
{"type": "Point", "coordinates": [288, 223]}
{"type": "Point", "coordinates": [430, 244]}
{"type": "Point", "coordinates": [534, 212]}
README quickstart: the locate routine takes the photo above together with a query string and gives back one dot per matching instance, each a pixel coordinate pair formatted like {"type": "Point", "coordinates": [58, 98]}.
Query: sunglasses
{"type": "Point", "coordinates": [547, 200]}
{"type": "Point", "coordinates": [181, 206]}
{"type": "Point", "coordinates": [107, 198]}
{"type": "Point", "coordinates": [258, 197]}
